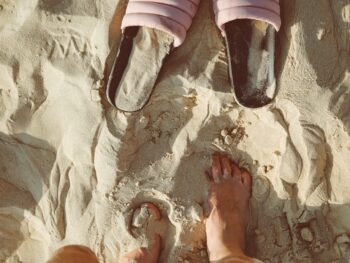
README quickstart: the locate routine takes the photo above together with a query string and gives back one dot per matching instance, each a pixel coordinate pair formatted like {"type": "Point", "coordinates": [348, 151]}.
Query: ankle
{"type": "Point", "coordinates": [234, 259]}
{"type": "Point", "coordinates": [225, 253]}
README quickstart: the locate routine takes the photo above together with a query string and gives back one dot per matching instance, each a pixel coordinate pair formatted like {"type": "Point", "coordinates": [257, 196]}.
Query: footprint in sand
{"type": "Point", "coordinates": [305, 157]}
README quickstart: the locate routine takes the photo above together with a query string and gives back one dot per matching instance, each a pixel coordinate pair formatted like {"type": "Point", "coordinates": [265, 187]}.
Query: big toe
{"type": "Point", "coordinates": [155, 250]}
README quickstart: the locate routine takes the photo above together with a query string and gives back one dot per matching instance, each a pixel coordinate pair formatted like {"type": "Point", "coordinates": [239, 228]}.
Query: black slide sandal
{"type": "Point", "coordinates": [249, 28]}
{"type": "Point", "coordinates": [151, 29]}
{"type": "Point", "coordinates": [250, 49]}
{"type": "Point", "coordinates": [119, 92]}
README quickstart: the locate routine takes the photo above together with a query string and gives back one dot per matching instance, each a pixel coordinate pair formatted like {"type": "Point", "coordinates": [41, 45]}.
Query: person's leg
{"type": "Point", "coordinates": [73, 254]}
{"type": "Point", "coordinates": [229, 194]}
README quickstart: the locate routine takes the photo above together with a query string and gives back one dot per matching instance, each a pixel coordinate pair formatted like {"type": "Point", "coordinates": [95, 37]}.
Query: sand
{"type": "Point", "coordinates": [73, 169]}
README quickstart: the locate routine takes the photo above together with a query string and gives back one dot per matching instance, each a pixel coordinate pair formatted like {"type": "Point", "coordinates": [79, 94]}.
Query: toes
{"type": "Point", "coordinates": [236, 172]}
{"type": "Point", "coordinates": [143, 254]}
{"type": "Point", "coordinates": [247, 179]}
{"type": "Point", "coordinates": [208, 174]}
{"type": "Point", "coordinates": [154, 209]}
{"type": "Point", "coordinates": [216, 170]}
{"type": "Point", "coordinates": [155, 250]}
{"type": "Point", "coordinates": [226, 167]}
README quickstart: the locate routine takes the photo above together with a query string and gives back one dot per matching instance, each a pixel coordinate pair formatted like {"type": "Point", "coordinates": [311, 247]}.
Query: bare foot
{"type": "Point", "coordinates": [229, 194]}
{"type": "Point", "coordinates": [144, 255]}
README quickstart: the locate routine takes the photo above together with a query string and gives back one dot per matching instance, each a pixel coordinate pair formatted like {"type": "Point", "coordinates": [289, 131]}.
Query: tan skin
{"type": "Point", "coordinates": [229, 194]}
{"type": "Point", "coordinates": [143, 254]}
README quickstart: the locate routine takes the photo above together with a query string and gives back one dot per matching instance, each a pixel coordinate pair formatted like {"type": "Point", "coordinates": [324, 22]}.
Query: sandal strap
{"type": "Point", "coordinates": [171, 16]}
{"type": "Point", "coordinates": [263, 10]}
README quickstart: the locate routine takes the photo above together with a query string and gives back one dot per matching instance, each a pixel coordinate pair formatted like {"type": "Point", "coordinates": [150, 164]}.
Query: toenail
{"type": "Point", "coordinates": [154, 209]}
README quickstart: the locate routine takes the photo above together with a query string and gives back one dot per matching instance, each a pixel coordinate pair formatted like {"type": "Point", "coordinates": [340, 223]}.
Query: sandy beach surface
{"type": "Point", "coordinates": [73, 169]}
